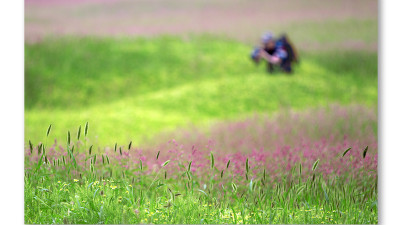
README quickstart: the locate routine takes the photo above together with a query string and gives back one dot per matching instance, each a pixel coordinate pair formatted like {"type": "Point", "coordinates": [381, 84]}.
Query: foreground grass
{"type": "Point", "coordinates": [113, 201]}
{"type": "Point", "coordinates": [55, 193]}
{"type": "Point", "coordinates": [144, 86]}
{"type": "Point", "coordinates": [254, 171]}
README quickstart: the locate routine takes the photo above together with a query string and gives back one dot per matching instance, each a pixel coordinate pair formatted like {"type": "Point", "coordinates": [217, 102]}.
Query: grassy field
{"type": "Point", "coordinates": [158, 115]}
{"type": "Point", "coordinates": [135, 88]}
{"type": "Point", "coordinates": [301, 168]}
{"type": "Point", "coordinates": [252, 147]}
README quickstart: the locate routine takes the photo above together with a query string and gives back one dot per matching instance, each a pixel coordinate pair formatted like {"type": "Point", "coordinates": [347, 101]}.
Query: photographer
{"type": "Point", "coordinates": [275, 52]}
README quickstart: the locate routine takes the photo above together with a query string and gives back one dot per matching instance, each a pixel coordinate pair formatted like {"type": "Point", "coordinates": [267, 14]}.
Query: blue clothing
{"type": "Point", "coordinates": [255, 52]}
{"type": "Point", "coordinates": [279, 51]}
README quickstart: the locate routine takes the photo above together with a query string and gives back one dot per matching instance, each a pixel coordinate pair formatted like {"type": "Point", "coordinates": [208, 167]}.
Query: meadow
{"type": "Point", "coordinates": [261, 170]}
{"type": "Point", "coordinates": [251, 147]}
{"type": "Point", "coordinates": [152, 112]}
{"type": "Point", "coordinates": [133, 89]}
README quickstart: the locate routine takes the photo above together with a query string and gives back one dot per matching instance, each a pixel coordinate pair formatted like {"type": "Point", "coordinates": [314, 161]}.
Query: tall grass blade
{"type": "Point", "coordinates": [300, 189]}
{"type": "Point", "coordinates": [227, 165]}
{"type": "Point", "coordinates": [39, 163]}
{"type": "Point", "coordinates": [130, 145]}
{"type": "Point", "coordinates": [71, 155]}
{"type": "Point", "coordinates": [234, 187]}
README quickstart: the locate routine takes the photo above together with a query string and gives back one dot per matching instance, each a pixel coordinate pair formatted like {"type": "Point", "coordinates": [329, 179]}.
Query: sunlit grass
{"type": "Point", "coordinates": [136, 88]}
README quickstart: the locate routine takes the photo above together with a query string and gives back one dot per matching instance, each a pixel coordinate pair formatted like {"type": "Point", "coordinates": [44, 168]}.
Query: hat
{"type": "Point", "coordinates": [267, 37]}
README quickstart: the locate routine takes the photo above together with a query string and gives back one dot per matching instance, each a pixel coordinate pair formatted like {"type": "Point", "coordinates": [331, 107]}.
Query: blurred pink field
{"type": "Point", "coordinates": [241, 20]}
{"type": "Point", "coordinates": [276, 144]}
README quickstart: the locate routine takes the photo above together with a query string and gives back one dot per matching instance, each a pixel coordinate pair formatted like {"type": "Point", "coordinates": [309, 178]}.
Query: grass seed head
{"type": "Point", "coordinates": [86, 128]}
{"type": "Point", "coordinates": [79, 132]}
{"type": "Point", "coordinates": [365, 152]}
{"type": "Point", "coordinates": [212, 160]}
{"type": "Point", "coordinates": [345, 152]}
{"type": "Point", "coordinates": [158, 154]}
{"type": "Point", "coordinates": [48, 131]}
{"type": "Point", "coordinates": [300, 169]}
{"type": "Point", "coordinates": [315, 165]}
{"type": "Point", "coordinates": [69, 138]}
{"type": "Point", "coordinates": [247, 166]}
{"type": "Point", "coordinates": [30, 146]}
{"type": "Point", "coordinates": [40, 148]}
{"type": "Point", "coordinates": [164, 164]}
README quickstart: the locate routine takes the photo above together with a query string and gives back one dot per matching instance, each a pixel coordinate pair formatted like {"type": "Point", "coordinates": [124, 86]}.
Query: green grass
{"type": "Point", "coordinates": [135, 88]}
{"type": "Point", "coordinates": [60, 192]}
{"type": "Point", "coordinates": [115, 201]}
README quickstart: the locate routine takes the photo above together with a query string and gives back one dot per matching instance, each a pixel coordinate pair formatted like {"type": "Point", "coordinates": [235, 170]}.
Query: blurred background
{"type": "Point", "coordinates": [137, 68]}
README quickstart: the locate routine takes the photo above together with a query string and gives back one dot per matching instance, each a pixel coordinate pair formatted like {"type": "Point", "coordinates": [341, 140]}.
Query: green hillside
{"type": "Point", "coordinates": [133, 88]}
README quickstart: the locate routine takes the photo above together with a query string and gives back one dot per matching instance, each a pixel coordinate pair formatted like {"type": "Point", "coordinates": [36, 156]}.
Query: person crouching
{"type": "Point", "coordinates": [277, 53]}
